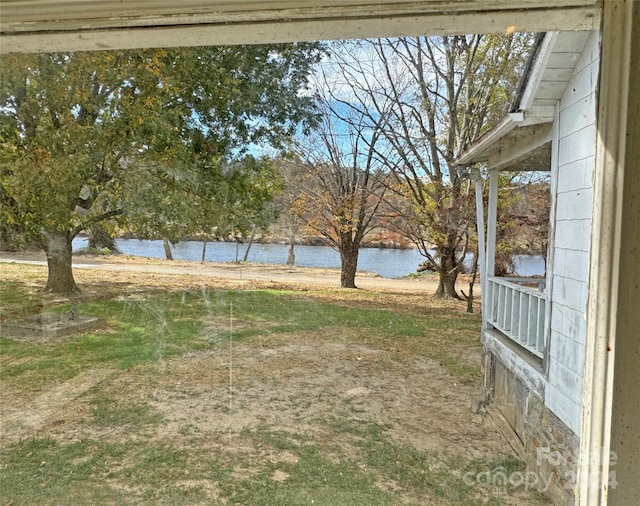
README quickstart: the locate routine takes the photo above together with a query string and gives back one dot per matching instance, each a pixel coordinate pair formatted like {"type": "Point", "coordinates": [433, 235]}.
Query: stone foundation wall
{"type": "Point", "coordinates": [548, 446]}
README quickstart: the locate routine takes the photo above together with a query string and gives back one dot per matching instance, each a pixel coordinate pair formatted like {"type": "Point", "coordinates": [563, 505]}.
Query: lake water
{"type": "Point", "coordinates": [388, 263]}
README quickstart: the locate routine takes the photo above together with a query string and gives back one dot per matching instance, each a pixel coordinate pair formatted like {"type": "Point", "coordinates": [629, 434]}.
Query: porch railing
{"type": "Point", "coordinates": [516, 307]}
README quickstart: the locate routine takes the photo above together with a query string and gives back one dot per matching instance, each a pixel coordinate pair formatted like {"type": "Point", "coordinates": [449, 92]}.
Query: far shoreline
{"type": "Point", "coordinates": [284, 274]}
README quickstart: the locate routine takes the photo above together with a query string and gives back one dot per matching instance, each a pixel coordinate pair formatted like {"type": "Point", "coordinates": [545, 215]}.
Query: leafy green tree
{"type": "Point", "coordinates": [234, 199]}
{"type": "Point", "coordinates": [136, 136]}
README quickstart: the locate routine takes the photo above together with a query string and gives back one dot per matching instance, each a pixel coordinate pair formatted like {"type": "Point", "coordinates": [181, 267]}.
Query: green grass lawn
{"type": "Point", "coordinates": [142, 330]}
{"type": "Point", "coordinates": [113, 447]}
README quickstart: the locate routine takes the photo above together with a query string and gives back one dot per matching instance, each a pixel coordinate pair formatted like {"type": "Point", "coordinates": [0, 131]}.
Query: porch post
{"type": "Point", "coordinates": [481, 243]}
{"type": "Point", "coordinates": [492, 218]}
{"type": "Point", "coordinates": [551, 240]}
{"type": "Point", "coordinates": [610, 442]}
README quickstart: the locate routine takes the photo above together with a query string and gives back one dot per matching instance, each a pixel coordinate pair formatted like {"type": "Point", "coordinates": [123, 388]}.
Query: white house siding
{"type": "Point", "coordinates": [576, 163]}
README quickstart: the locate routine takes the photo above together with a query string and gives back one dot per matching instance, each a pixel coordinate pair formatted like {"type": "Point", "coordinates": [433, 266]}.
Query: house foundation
{"type": "Point", "coordinates": [539, 437]}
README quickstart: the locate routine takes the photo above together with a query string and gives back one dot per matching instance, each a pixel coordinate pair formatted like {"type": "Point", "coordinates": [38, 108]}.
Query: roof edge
{"type": "Point", "coordinates": [506, 125]}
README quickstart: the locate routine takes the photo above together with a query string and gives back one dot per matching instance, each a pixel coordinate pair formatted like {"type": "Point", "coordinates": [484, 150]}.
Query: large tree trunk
{"type": "Point", "coordinates": [57, 246]}
{"type": "Point", "coordinates": [348, 267]}
{"type": "Point", "coordinates": [447, 285]}
{"type": "Point", "coordinates": [448, 271]}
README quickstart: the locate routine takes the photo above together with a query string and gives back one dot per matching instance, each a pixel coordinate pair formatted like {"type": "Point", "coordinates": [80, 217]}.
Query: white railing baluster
{"type": "Point", "coordinates": [500, 318]}
{"type": "Point", "coordinates": [541, 341]}
{"type": "Point", "coordinates": [494, 303]}
{"type": "Point", "coordinates": [533, 322]}
{"type": "Point", "coordinates": [518, 311]}
{"type": "Point", "coordinates": [518, 316]}
{"type": "Point", "coordinates": [508, 301]}
{"type": "Point", "coordinates": [524, 311]}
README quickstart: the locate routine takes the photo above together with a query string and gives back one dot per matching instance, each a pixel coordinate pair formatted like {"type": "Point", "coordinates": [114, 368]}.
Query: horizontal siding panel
{"type": "Point", "coordinates": [573, 234]}
{"type": "Point", "coordinates": [566, 291]}
{"type": "Point", "coordinates": [574, 326]}
{"type": "Point", "coordinates": [576, 205]}
{"type": "Point", "coordinates": [576, 175]}
{"type": "Point", "coordinates": [566, 380]}
{"type": "Point", "coordinates": [577, 145]}
{"type": "Point", "coordinates": [567, 409]}
{"type": "Point", "coordinates": [580, 86]}
{"type": "Point", "coordinates": [578, 116]}
{"type": "Point", "coordinates": [567, 352]}
{"type": "Point", "coordinates": [576, 265]}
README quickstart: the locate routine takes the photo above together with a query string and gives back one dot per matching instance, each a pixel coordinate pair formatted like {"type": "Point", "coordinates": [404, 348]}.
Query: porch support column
{"type": "Point", "coordinates": [481, 240]}
{"type": "Point", "coordinates": [492, 219]}
{"type": "Point", "coordinates": [611, 403]}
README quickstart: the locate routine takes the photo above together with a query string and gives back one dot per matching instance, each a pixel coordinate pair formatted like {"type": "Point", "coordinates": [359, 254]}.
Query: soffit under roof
{"type": "Point", "coordinates": [522, 140]}
{"type": "Point", "coordinates": [538, 159]}
{"type": "Point", "coordinates": [520, 148]}
{"type": "Point", "coordinates": [61, 25]}
{"type": "Point", "coordinates": [551, 72]}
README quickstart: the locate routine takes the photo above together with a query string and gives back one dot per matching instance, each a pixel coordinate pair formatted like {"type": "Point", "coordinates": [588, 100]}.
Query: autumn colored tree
{"type": "Point", "coordinates": [523, 217]}
{"type": "Point", "coordinates": [346, 170]}
{"type": "Point", "coordinates": [445, 92]}
{"type": "Point", "coordinates": [138, 136]}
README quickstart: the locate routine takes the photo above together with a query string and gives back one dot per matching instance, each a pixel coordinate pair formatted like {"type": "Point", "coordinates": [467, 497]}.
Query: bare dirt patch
{"type": "Point", "coordinates": [22, 419]}
{"type": "Point", "coordinates": [296, 386]}
{"type": "Point", "coordinates": [223, 400]}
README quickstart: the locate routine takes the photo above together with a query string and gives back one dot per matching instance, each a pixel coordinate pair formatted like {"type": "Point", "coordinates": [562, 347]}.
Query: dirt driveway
{"type": "Point", "coordinates": [237, 272]}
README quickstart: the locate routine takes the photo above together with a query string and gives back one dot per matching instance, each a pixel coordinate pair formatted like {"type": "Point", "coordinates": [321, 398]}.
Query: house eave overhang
{"type": "Point", "coordinates": [512, 145]}
{"type": "Point", "coordinates": [478, 151]}
{"type": "Point", "coordinates": [74, 25]}
{"type": "Point", "coordinates": [522, 140]}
